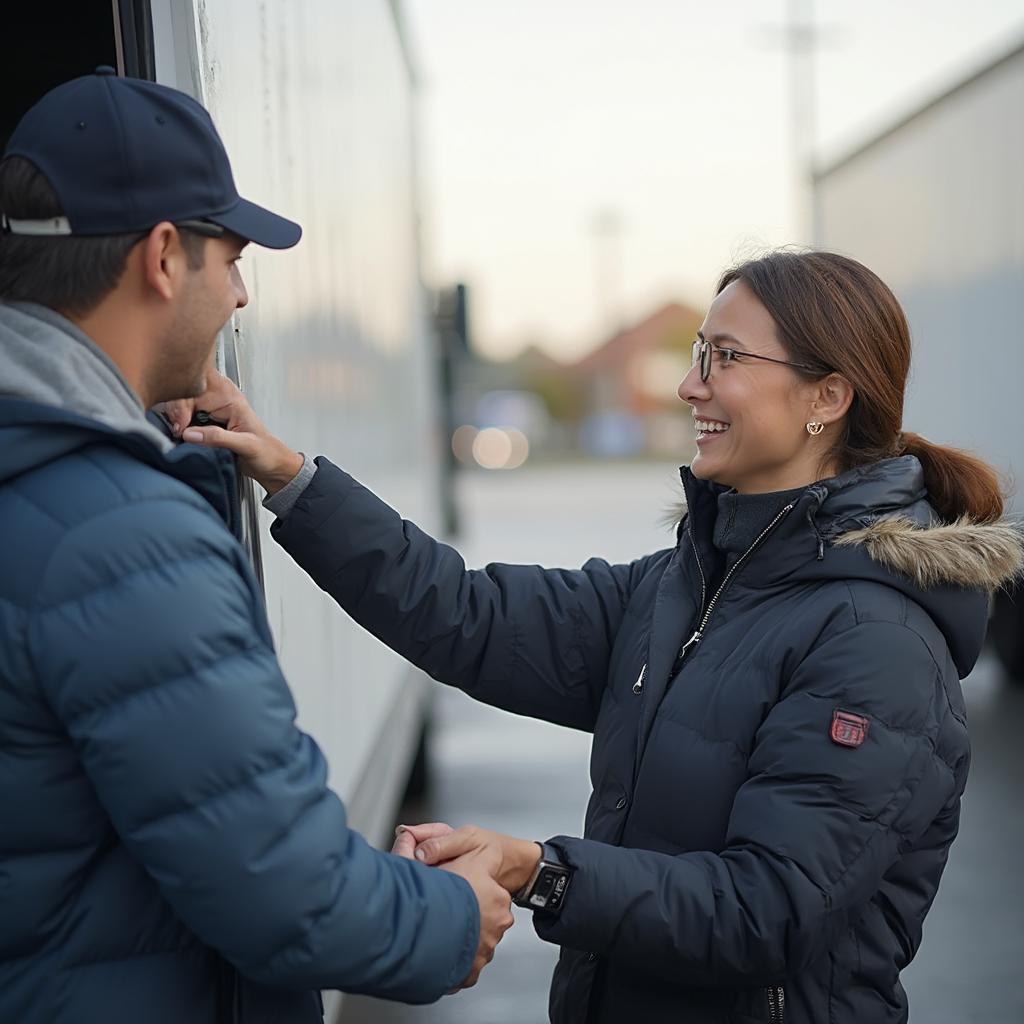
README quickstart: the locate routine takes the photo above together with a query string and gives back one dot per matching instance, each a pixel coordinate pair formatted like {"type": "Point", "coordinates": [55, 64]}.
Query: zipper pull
{"type": "Point", "coordinates": [695, 639]}
{"type": "Point", "coordinates": [638, 686]}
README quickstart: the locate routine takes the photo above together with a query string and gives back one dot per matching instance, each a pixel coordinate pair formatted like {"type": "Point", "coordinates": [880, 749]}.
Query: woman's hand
{"type": "Point", "coordinates": [407, 837]}
{"type": "Point", "coordinates": [509, 861]}
{"type": "Point", "coordinates": [269, 461]}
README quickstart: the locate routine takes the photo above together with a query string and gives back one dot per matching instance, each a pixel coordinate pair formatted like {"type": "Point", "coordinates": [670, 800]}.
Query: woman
{"type": "Point", "coordinates": [779, 738]}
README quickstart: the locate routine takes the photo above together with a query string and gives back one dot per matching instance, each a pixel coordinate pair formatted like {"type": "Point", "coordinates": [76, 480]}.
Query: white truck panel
{"type": "Point", "coordinates": [314, 101]}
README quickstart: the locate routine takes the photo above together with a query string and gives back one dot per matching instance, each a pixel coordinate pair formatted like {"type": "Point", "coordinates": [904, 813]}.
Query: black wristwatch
{"type": "Point", "coordinates": [547, 886]}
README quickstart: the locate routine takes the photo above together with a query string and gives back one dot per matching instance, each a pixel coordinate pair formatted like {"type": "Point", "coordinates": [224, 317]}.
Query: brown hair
{"type": "Point", "coordinates": [833, 313]}
{"type": "Point", "coordinates": [70, 274]}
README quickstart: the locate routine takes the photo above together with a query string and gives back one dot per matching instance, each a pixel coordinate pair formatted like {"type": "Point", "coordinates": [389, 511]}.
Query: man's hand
{"type": "Point", "coordinates": [269, 461]}
{"type": "Point", "coordinates": [495, 909]}
{"type": "Point", "coordinates": [479, 866]}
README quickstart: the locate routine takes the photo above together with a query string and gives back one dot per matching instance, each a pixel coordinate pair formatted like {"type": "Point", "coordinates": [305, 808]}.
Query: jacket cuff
{"type": "Point", "coordinates": [467, 954]}
{"type": "Point", "coordinates": [581, 921]}
{"type": "Point", "coordinates": [281, 502]}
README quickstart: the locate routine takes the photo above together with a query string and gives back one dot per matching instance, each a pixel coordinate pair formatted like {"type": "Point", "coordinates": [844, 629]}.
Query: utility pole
{"type": "Point", "coordinates": [801, 41]}
{"type": "Point", "coordinates": [607, 228]}
{"type": "Point", "coordinates": [800, 38]}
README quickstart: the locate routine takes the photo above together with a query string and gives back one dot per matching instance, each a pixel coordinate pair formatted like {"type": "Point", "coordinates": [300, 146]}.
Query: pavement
{"type": "Point", "coordinates": [529, 779]}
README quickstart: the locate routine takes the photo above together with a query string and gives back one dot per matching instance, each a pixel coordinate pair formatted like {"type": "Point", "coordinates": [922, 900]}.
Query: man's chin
{"type": "Point", "coordinates": [199, 382]}
{"type": "Point", "coordinates": [184, 392]}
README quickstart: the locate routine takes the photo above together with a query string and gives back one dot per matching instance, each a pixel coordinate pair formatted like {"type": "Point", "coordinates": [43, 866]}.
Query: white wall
{"type": "Point", "coordinates": [936, 208]}
{"type": "Point", "coordinates": [314, 102]}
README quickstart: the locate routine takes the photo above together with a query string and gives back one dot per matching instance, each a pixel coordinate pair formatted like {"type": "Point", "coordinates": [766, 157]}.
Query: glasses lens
{"type": "Point", "coordinates": [701, 357]}
{"type": "Point", "coordinates": [706, 353]}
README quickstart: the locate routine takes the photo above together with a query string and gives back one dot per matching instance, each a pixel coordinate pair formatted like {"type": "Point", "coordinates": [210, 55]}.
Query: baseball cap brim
{"type": "Point", "coordinates": [258, 225]}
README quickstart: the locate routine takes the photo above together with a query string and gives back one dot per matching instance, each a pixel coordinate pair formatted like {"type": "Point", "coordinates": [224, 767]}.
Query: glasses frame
{"type": "Point", "coordinates": [703, 351]}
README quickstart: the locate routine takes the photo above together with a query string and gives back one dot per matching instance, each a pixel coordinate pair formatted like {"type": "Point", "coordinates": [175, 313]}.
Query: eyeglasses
{"type": "Point", "coordinates": [704, 351]}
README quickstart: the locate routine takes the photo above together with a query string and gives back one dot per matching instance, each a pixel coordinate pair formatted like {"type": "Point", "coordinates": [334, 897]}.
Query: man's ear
{"type": "Point", "coordinates": [834, 397]}
{"type": "Point", "coordinates": [163, 260]}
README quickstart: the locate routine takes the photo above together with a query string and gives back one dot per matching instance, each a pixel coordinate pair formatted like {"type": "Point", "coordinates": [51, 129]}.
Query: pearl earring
{"type": "Point", "coordinates": [815, 428]}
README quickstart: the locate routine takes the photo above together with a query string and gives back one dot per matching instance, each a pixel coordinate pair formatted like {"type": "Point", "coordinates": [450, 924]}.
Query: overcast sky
{"type": "Point", "coordinates": [667, 121]}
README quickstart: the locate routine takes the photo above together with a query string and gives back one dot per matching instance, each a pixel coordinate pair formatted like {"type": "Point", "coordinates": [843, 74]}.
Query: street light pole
{"type": "Point", "coordinates": [801, 42]}
{"type": "Point", "coordinates": [607, 230]}
{"type": "Point", "coordinates": [800, 38]}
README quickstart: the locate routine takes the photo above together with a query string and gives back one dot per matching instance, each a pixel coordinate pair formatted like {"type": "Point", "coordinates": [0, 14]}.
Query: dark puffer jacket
{"type": "Point", "coordinates": [169, 849]}
{"type": "Point", "coordinates": [745, 859]}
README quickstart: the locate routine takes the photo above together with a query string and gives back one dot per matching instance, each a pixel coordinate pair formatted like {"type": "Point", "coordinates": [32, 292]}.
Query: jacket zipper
{"type": "Point", "coordinates": [699, 633]}
{"type": "Point", "coordinates": [776, 1004]}
{"type": "Point", "coordinates": [639, 684]}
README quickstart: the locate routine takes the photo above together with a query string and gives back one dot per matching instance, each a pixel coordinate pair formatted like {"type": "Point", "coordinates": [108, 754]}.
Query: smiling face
{"type": "Point", "coordinates": [751, 414]}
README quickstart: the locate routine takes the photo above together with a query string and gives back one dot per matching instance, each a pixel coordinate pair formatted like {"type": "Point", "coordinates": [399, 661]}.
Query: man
{"type": "Point", "coordinates": [169, 849]}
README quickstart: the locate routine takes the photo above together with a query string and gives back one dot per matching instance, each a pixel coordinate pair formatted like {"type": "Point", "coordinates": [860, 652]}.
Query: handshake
{"type": "Point", "coordinates": [495, 865]}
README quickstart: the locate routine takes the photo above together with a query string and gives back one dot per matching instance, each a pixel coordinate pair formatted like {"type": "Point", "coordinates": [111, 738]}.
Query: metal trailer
{"type": "Point", "coordinates": [315, 102]}
{"type": "Point", "coordinates": [935, 205]}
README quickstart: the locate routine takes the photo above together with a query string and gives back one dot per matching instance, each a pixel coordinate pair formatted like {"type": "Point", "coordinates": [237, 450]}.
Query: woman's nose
{"type": "Point", "coordinates": [692, 388]}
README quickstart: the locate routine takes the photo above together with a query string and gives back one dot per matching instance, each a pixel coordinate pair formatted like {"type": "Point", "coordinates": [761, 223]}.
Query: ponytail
{"type": "Point", "coordinates": [832, 312]}
{"type": "Point", "coordinates": [959, 484]}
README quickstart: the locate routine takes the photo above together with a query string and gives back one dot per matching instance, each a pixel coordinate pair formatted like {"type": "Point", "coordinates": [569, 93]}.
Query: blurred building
{"type": "Point", "coordinates": [935, 206]}
{"type": "Point", "coordinates": [619, 401]}
{"type": "Point", "coordinates": [628, 387]}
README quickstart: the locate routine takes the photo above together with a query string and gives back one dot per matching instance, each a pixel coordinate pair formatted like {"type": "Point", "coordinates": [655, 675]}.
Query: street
{"type": "Point", "coordinates": [529, 779]}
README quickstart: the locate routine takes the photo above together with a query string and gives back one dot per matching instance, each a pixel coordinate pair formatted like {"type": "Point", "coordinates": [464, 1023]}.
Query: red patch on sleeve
{"type": "Point", "coordinates": [848, 729]}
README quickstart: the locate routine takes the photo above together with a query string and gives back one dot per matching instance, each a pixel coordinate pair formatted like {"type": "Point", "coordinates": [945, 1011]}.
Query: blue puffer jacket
{"type": "Point", "coordinates": [750, 854]}
{"type": "Point", "coordinates": [169, 849]}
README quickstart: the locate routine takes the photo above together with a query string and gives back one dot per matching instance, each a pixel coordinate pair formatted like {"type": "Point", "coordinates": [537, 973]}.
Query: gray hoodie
{"type": "Point", "coordinates": [45, 358]}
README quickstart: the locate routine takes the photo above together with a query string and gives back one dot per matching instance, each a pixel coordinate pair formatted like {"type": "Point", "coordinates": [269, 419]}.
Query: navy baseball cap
{"type": "Point", "coordinates": [123, 155]}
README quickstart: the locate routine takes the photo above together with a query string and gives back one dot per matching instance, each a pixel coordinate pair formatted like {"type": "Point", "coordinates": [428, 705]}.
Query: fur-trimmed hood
{"type": "Point", "coordinates": [986, 556]}
{"type": "Point", "coordinates": [874, 523]}
{"type": "Point", "coordinates": [883, 509]}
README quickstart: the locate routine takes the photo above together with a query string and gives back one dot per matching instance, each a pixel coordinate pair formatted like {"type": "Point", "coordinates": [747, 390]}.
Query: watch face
{"type": "Point", "coordinates": [549, 888]}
